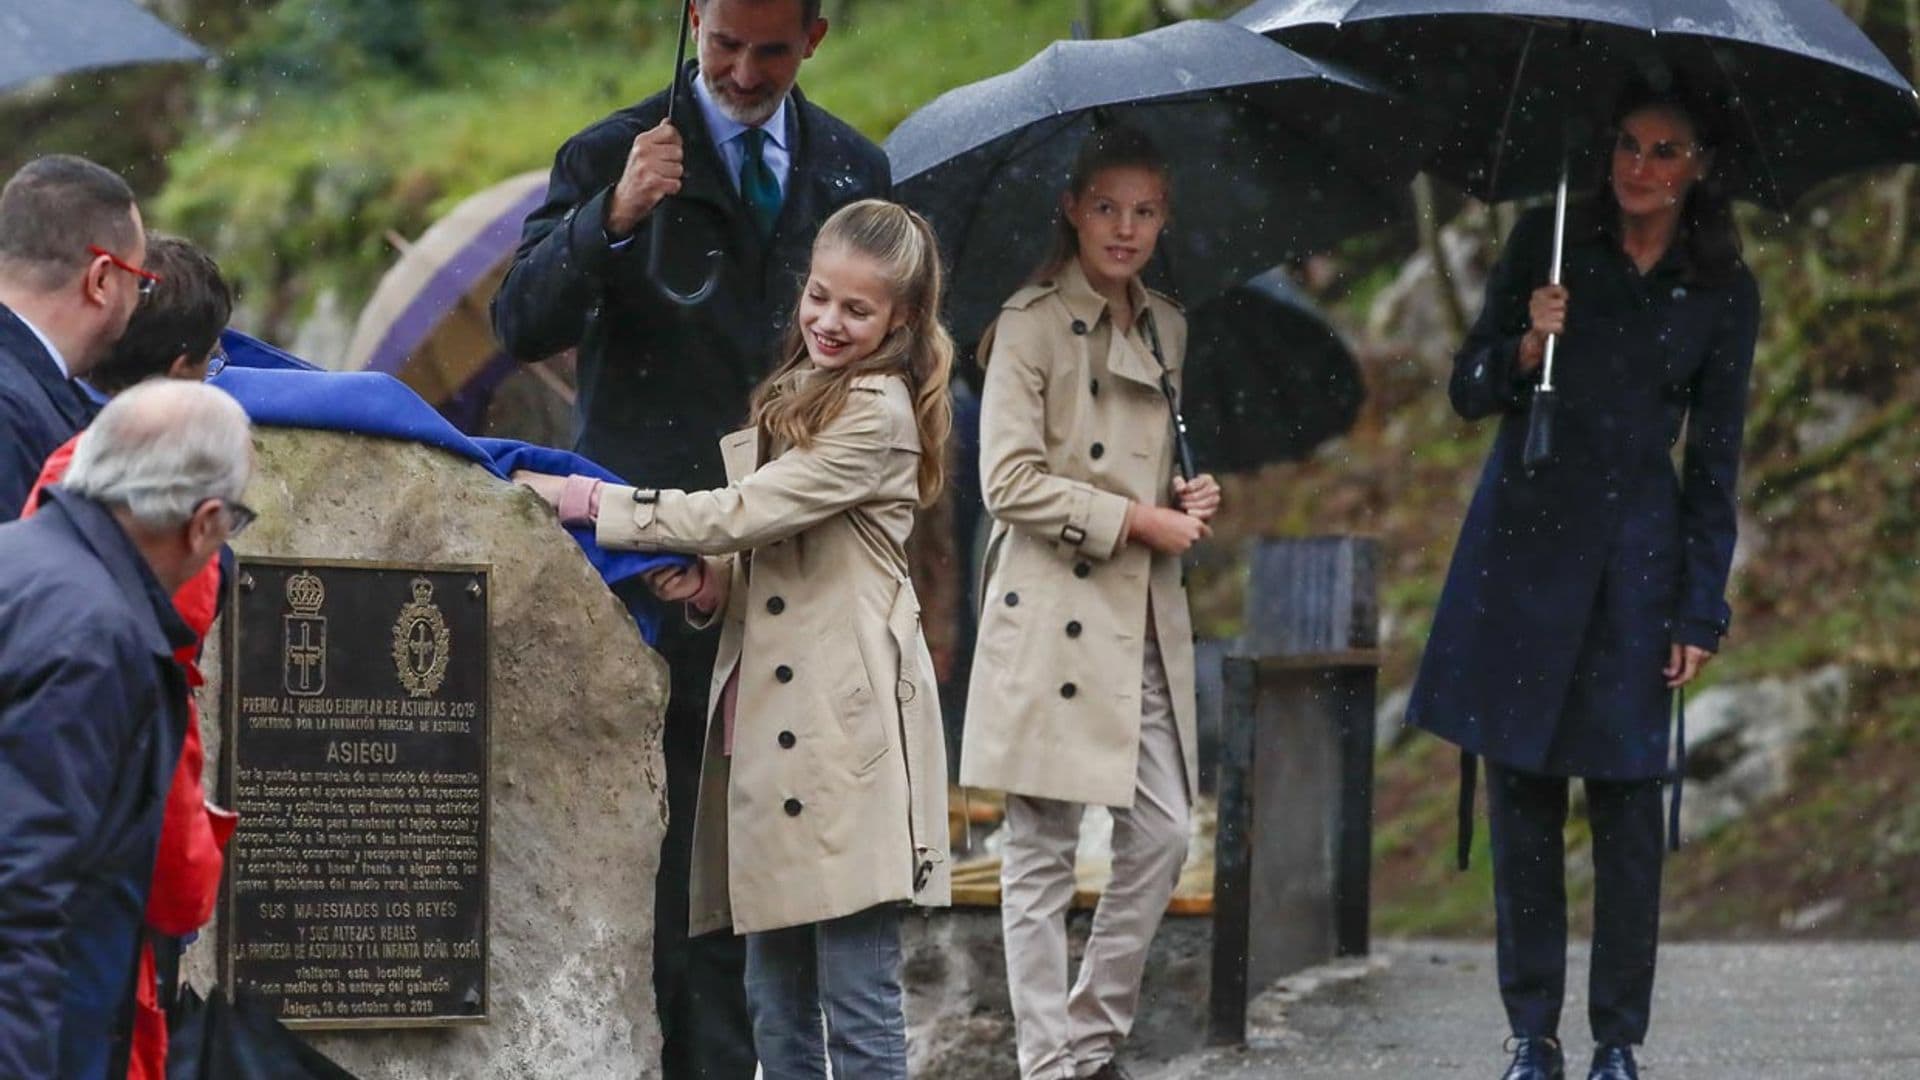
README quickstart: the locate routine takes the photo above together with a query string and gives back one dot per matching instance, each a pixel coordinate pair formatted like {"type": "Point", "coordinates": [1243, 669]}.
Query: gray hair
{"type": "Point", "coordinates": [162, 449]}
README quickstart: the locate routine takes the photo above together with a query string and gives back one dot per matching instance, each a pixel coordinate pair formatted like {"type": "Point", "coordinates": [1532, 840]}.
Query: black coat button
{"type": "Point", "coordinates": [1079, 328]}
{"type": "Point", "coordinates": [775, 605]}
{"type": "Point", "coordinates": [1082, 568]}
{"type": "Point", "coordinates": [792, 807]}
{"type": "Point", "coordinates": [1093, 387]}
{"type": "Point", "coordinates": [1067, 690]}
{"type": "Point", "coordinates": [783, 673]}
{"type": "Point", "coordinates": [787, 740]}
{"type": "Point", "coordinates": [1013, 599]}
{"type": "Point", "coordinates": [1099, 451]}
{"type": "Point", "coordinates": [1073, 628]}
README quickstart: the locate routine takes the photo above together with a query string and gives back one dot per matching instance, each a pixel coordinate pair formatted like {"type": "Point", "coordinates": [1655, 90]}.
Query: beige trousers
{"type": "Point", "coordinates": [1066, 1033]}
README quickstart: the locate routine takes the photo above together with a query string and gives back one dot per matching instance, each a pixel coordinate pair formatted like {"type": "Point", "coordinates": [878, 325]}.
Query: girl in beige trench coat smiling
{"type": "Point", "coordinates": [822, 801]}
{"type": "Point", "coordinates": [1082, 688]}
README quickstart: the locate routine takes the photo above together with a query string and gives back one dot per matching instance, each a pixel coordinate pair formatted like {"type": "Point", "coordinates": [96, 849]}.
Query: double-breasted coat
{"type": "Point", "coordinates": [834, 797]}
{"type": "Point", "coordinates": [1074, 427]}
{"type": "Point", "coordinates": [1570, 582]}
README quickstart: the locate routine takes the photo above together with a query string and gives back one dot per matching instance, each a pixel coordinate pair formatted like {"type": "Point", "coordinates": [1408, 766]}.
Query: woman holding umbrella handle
{"type": "Point", "coordinates": [1583, 597]}
{"type": "Point", "coordinates": [1083, 683]}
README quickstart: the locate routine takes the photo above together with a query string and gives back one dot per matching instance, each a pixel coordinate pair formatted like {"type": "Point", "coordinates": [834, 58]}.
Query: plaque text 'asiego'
{"type": "Point", "coordinates": [357, 881]}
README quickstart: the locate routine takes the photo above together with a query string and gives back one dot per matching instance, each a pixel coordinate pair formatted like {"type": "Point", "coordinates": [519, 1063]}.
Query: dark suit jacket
{"type": "Point", "coordinates": [660, 384]}
{"type": "Point", "coordinates": [93, 712]}
{"type": "Point", "coordinates": [39, 410]}
{"type": "Point", "coordinates": [1570, 582]}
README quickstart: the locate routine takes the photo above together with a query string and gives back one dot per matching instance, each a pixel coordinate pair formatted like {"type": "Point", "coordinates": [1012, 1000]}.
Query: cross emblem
{"type": "Point", "coordinates": [420, 642]}
{"type": "Point", "coordinates": [305, 656]}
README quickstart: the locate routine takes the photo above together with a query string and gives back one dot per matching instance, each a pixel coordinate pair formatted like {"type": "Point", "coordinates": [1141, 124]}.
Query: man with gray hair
{"type": "Point", "coordinates": [93, 708]}
{"type": "Point", "coordinates": [72, 248]}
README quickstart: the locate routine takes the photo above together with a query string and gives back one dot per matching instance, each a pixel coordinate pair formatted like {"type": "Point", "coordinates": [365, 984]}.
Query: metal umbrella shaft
{"type": "Point", "coordinates": [1538, 449]}
{"type": "Point", "coordinates": [656, 241]}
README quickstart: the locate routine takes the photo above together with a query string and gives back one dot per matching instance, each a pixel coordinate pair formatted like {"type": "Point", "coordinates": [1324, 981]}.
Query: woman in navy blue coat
{"type": "Point", "coordinates": [1585, 593]}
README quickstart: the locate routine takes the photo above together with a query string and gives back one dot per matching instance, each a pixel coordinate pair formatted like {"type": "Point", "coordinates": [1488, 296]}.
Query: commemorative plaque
{"type": "Point", "coordinates": [356, 754]}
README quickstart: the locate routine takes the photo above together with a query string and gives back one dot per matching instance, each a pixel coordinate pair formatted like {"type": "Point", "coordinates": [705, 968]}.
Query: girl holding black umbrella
{"type": "Point", "coordinates": [1083, 679]}
{"type": "Point", "coordinates": [1587, 592]}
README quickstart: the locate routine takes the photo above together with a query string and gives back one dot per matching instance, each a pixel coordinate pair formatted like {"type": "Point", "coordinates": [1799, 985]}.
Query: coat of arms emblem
{"type": "Point", "coordinates": [421, 643]}
{"type": "Point", "coordinates": [305, 668]}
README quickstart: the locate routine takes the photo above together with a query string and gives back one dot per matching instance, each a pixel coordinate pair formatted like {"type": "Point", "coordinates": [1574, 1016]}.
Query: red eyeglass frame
{"type": "Point", "coordinates": [148, 279]}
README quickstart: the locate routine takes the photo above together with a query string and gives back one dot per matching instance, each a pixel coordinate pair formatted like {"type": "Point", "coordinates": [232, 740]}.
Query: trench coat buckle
{"type": "Point", "coordinates": [1073, 534]}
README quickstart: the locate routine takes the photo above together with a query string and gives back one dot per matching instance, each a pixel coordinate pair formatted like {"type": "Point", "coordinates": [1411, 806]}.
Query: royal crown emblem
{"type": "Point", "coordinates": [304, 636]}
{"type": "Point", "coordinates": [421, 643]}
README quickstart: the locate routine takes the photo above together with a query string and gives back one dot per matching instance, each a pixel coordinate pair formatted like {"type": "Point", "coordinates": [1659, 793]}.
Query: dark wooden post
{"type": "Point", "coordinates": [1292, 860]}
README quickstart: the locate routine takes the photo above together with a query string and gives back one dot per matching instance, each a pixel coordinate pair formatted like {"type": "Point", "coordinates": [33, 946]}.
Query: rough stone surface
{"type": "Point", "coordinates": [1742, 741]}
{"type": "Point", "coordinates": [960, 1020]}
{"type": "Point", "coordinates": [577, 788]}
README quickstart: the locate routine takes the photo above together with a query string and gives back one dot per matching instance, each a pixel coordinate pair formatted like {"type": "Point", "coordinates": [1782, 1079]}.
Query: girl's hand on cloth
{"type": "Point", "coordinates": [1684, 664]}
{"type": "Point", "coordinates": [1165, 530]}
{"type": "Point", "coordinates": [547, 486]}
{"type": "Point", "coordinates": [677, 584]}
{"type": "Point", "coordinates": [1199, 497]}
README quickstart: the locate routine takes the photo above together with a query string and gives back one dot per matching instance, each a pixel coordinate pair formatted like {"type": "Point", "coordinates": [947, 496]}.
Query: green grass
{"type": "Point", "coordinates": [300, 190]}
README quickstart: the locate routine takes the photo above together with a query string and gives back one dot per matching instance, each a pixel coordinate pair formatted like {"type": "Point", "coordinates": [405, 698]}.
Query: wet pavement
{"type": "Point", "coordinates": [1721, 1012]}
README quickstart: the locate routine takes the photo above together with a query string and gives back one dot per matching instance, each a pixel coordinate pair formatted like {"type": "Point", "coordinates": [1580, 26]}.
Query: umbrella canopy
{"type": "Point", "coordinates": [427, 322]}
{"type": "Point", "coordinates": [1268, 377]}
{"type": "Point", "coordinates": [1272, 155]}
{"type": "Point", "coordinates": [40, 38]}
{"type": "Point", "coordinates": [1806, 95]}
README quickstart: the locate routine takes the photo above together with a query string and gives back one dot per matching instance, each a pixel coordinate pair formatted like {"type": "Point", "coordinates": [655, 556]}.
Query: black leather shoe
{"type": "Point", "coordinates": [1613, 1063]}
{"type": "Point", "coordinates": [1536, 1058]}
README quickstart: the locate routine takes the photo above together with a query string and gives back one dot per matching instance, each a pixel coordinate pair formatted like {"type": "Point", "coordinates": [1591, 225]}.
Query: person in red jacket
{"type": "Point", "coordinates": [174, 333]}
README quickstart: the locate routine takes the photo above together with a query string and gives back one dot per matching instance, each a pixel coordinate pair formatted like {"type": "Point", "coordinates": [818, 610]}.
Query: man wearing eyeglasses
{"type": "Point", "coordinates": [72, 252]}
{"type": "Point", "coordinates": [93, 711]}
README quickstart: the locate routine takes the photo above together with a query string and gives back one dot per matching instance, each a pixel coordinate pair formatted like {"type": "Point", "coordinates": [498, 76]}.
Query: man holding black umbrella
{"type": "Point", "coordinates": [749, 174]}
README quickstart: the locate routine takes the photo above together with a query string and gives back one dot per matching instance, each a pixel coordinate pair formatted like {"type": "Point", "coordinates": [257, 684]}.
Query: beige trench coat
{"type": "Point", "coordinates": [835, 797]}
{"type": "Point", "coordinates": [1073, 427]}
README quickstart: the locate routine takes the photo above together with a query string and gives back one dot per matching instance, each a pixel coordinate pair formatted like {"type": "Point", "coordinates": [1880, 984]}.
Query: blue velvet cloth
{"type": "Point", "coordinates": [281, 390]}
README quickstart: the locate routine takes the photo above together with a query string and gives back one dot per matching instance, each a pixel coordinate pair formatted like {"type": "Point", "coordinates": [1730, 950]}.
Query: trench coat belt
{"type": "Point", "coordinates": [903, 622]}
{"type": "Point", "coordinates": [1470, 775]}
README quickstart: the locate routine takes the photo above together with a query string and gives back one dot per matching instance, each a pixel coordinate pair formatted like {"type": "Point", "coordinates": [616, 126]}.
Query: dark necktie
{"type": "Point", "coordinates": [758, 186]}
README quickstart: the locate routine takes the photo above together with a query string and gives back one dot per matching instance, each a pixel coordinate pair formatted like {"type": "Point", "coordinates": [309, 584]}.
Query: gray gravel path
{"type": "Point", "coordinates": [1721, 1012]}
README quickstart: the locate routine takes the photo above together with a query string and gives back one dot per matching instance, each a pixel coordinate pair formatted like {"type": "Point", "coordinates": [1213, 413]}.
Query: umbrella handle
{"type": "Point", "coordinates": [656, 244]}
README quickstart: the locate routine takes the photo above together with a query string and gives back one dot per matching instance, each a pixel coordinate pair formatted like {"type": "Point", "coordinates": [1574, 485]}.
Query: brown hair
{"type": "Point", "coordinates": [920, 350]}
{"type": "Point", "coordinates": [52, 209]}
{"type": "Point", "coordinates": [1114, 146]}
{"type": "Point", "coordinates": [183, 317]}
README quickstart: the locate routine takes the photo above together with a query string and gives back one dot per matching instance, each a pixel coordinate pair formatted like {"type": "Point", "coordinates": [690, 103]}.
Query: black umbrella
{"type": "Point", "coordinates": [1272, 155]}
{"type": "Point", "coordinates": [1268, 377]}
{"type": "Point", "coordinates": [1531, 83]}
{"type": "Point", "coordinates": [41, 38]}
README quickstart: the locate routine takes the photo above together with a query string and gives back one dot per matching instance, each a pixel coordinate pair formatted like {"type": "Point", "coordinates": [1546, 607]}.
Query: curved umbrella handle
{"type": "Point", "coordinates": [656, 243]}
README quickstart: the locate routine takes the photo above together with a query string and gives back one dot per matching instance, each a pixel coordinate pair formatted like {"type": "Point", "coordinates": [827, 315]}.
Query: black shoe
{"type": "Point", "coordinates": [1613, 1063]}
{"type": "Point", "coordinates": [1110, 1071]}
{"type": "Point", "coordinates": [1536, 1058]}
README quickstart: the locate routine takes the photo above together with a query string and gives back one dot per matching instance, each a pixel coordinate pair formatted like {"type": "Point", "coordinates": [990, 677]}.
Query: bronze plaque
{"type": "Point", "coordinates": [356, 755]}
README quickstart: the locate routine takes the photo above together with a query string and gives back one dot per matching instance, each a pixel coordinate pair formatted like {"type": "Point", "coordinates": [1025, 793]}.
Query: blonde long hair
{"type": "Point", "coordinates": [791, 412]}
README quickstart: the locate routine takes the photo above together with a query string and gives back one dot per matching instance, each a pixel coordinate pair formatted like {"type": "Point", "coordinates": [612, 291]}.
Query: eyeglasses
{"type": "Point", "coordinates": [1661, 153]}
{"type": "Point", "coordinates": [239, 514]}
{"type": "Point", "coordinates": [216, 360]}
{"type": "Point", "coordinates": [148, 279]}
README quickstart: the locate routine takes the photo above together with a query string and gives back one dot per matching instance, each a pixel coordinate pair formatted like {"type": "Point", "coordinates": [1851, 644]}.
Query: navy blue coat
{"type": "Point", "coordinates": [660, 384]}
{"type": "Point", "coordinates": [92, 717]}
{"type": "Point", "coordinates": [40, 409]}
{"type": "Point", "coordinates": [1569, 584]}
